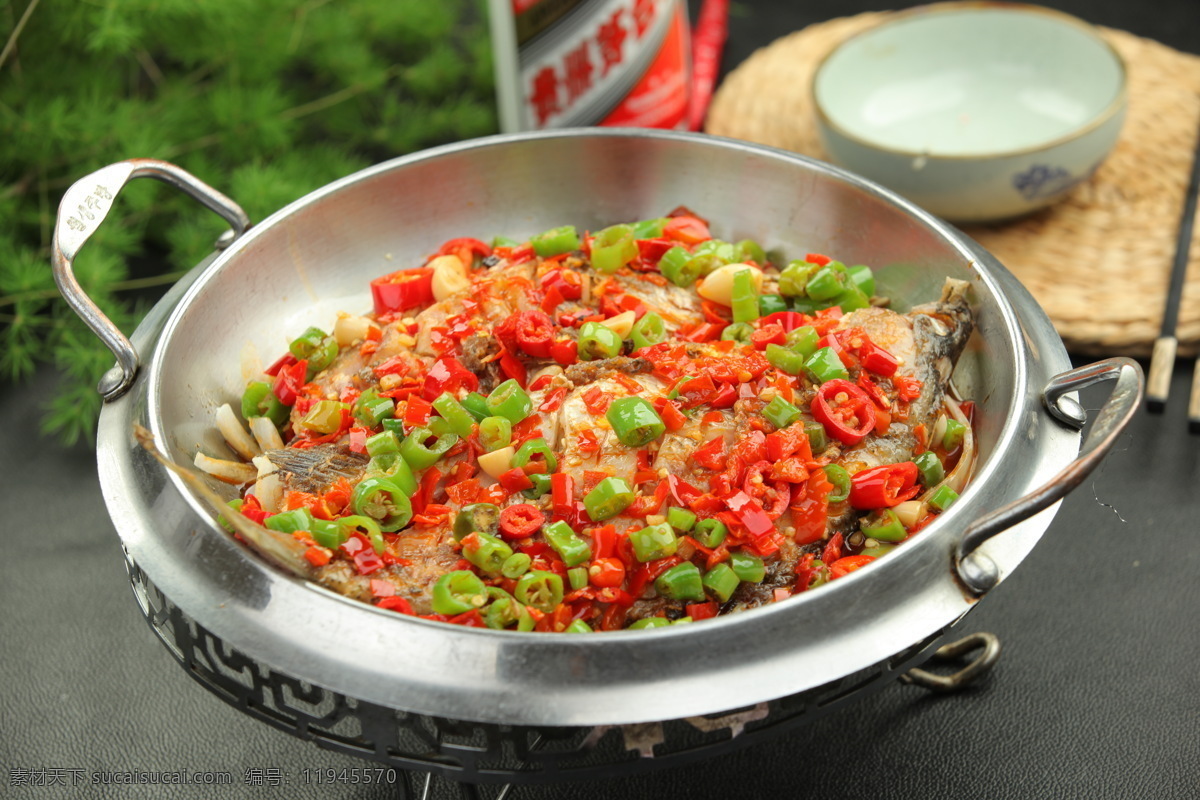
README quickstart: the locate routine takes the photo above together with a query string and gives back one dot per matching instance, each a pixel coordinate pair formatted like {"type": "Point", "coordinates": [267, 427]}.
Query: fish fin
{"type": "Point", "coordinates": [278, 548]}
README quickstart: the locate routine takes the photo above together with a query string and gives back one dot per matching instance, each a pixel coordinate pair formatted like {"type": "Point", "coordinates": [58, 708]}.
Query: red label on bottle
{"type": "Point", "coordinates": [566, 63]}
{"type": "Point", "coordinates": [660, 98]}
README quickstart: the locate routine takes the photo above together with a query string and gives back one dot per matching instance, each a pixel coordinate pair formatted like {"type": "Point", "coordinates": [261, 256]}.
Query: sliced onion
{"type": "Point", "coordinates": [961, 473]}
{"type": "Point", "coordinates": [237, 437]}
{"type": "Point", "coordinates": [235, 472]}
{"type": "Point", "coordinates": [265, 433]}
{"type": "Point", "coordinates": [269, 491]}
{"type": "Point", "coordinates": [939, 430]}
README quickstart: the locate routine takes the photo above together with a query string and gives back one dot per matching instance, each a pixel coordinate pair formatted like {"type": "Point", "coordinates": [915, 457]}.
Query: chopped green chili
{"type": "Point", "coordinates": [710, 532]}
{"type": "Point", "coordinates": [297, 519]}
{"type": "Point", "coordinates": [541, 485]}
{"type": "Point", "coordinates": [749, 250]}
{"type": "Point", "coordinates": [862, 277]}
{"type": "Point", "coordinates": [420, 455]}
{"type": "Point", "coordinates": [840, 478]}
{"type": "Point", "coordinates": [785, 358]}
{"type": "Point", "coordinates": [502, 612]}
{"type": "Point", "coordinates": [817, 438]}
{"type": "Point", "coordinates": [516, 565]}
{"type": "Point", "coordinates": [634, 421]}
{"type": "Point", "coordinates": [771, 304]}
{"type": "Point", "coordinates": [371, 410]}
{"type": "Point", "coordinates": [613, 248]}
{"type": "Point", "coordinates": [347, 525]}
{"type": "Point", "coordinates": [883, 526]}
{"type": "Point", "coordinates": [930, 466]}
{"type": "Point", "coordinates": [477, 518]}
{"type": "Point", "coordinates": [323, 356]}
{"type": "Point", "coordinates": [486, 552]}
{"type": "Point", "coordinates": [653, 542]}
{"type": "Point", "coordinates": [538, 451]}
{"type": "Point", "coordinates": [825, 365]}
{"type": "Point", "coordinates": [555, 241]}
{"type": "Point", "coordinates": [649, 622]}
{"type": "Point", "coordinates": [307, 343]}
{"type": "Point", "coordinates": [738, 332]}
{"type": "Point", "coordinates": [259, 401]}
{"type": "Point", "coordinates": [681, 519]}
{"type": "Point", "coordinates": [826, 283]}
{"type": "Point", "coordinates": [459, 419]}
{"type": "Point", "coordinates": [476, 406]}
{"type": "Point", "coordinates": [541, 589]}
{"type": "Point", "coordinates": [495, 433]}
{"type": "Point", "coordinates": [747, 567]}
{"type": "Point", "coordinates": [578, 626]}
{"type": "Point", "coordinates": [509, 400]}
{"type": "Point", "coordinates": [878, 550]}
{"type": "Point", "coordinates": [942, 498]}
{"type": "Point", "coordinates": [852, 298]}
{"type": "Point", "coordinates": [577, 577]}
{"type": "Point", "coordinates": [794, 278]}
{"type": "Point", "coordinates": [572, 549]}
{"type": "Point", "coordinates": [780, 412]}
{"type": "Point", "coordinates": [597, 341]}
{"type": "Point", "coordinates": [744, 300]}
{"type": "Point", "coordinates": [382, 444]}
{"type": "Point", "coordinates": [383, 500]}
{"type": "Point", "coordinates": [610, 497]}
{"type": "Point", "coordinates": [648, 330]}
{"type": "Point", "coordinates": [649, 228]}
{"type": "Point", "coordinates": [677, 266]}
{"type": "Point", "coordinates": [722, 581]}
{"type": "Point", "coordinates": [325, 416]}
{"type": "Point", "coordinates": [236, 504]}
{"type": "Point", "coordinates": [391, 465]}
{"type": "Point", "coordinates": [803, 340]}
{"type": "Point", "coordinates": [722, 250]}
{"type": "Point", "coordinates": [953, 437]}
{"type": "Point", "coordinates": [681, 582]}
{"type": "Point", "coordinates": [458, 592]}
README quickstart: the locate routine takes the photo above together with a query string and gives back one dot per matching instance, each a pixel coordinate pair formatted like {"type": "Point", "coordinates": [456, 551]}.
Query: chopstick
{"type": "Point", "coordinates": [1162, 361]}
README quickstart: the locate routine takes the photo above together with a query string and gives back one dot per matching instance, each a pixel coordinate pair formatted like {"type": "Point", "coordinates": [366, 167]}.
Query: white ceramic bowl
{"type": "Point", "coordinates": [976, 110]}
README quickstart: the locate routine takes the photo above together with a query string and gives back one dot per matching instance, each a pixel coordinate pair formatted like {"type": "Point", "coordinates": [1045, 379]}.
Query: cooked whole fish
{"type": "Point", "coordinates": [468, 463]}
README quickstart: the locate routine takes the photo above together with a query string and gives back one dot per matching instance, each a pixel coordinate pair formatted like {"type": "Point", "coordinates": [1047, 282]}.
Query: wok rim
{"type": "Point", "coordinates": [639, 645]}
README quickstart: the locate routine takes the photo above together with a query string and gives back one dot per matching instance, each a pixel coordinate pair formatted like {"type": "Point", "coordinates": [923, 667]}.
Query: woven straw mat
{"type": "Point", "coordinates": [1099, 261]}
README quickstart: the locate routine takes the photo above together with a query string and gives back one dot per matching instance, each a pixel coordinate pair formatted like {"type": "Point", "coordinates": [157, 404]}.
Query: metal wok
{"type": "Point", "coordinates": [361, 679]}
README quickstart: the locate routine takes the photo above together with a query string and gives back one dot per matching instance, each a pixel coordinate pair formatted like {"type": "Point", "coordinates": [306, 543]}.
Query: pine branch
{"type": "Point", "coordinates": [266, 102]}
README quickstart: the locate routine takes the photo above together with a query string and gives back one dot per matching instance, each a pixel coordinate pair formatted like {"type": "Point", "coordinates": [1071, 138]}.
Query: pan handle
{"type": "Point", "coordinates": [83, 208]}
{"type": "Point", "coordinates": [978, 572]}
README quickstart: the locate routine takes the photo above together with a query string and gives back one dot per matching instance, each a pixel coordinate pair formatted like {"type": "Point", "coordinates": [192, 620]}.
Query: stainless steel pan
{"type": "Point", "coordinates": [302, 264]}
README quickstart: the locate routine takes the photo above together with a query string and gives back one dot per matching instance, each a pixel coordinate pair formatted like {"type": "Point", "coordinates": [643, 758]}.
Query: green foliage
{"type": "Point", "coordinates": [265, 101]}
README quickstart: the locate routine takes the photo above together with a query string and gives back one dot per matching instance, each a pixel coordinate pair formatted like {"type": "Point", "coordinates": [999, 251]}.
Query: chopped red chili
{"type": "Point", "coordinates": [884, 486]}
{"type": "Point", "coordinates": [520, 521]}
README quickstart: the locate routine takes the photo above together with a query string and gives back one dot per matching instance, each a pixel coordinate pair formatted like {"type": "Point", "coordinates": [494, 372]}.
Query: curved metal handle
{"type": "Point", "coordinates": [976, 570]}
{"type": "Point", "coordinates": [83, 208]}
{"type": "Point", "coordinates": [988, 645]}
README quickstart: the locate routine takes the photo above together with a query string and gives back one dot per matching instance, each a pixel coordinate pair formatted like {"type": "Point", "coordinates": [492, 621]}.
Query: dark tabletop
{"type": "Point", "coordinates": [1096, 693]}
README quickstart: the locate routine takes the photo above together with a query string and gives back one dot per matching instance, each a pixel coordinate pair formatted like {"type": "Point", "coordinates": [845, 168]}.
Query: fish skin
{"type": "Point", "coordinates": [678, 307]}
{"type": "Point", "coordinates": [431, 553]}
{"type": "Point", "coordinates": [315, 469]}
